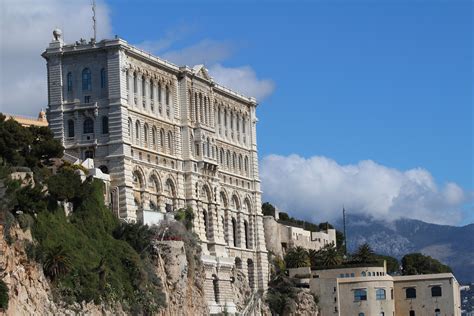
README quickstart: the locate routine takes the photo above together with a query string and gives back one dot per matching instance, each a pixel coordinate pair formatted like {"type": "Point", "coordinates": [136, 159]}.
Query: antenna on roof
{"type": "Point", "coordinates": [344, 223]}
{"type": "Point", "coordinates": [94, 25]}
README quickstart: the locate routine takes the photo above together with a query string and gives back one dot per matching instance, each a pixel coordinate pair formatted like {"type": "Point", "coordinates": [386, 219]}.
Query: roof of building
{"type": "Point", "coordinates": [58, 46]}
{"type": "Point", "coordinates": [40, 121]}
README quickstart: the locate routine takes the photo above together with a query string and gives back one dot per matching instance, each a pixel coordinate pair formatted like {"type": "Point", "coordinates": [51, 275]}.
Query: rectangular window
{"type": "Point", "coordinates": [360, 295]}
{"type": "Point", "coordinates": [87, 99]}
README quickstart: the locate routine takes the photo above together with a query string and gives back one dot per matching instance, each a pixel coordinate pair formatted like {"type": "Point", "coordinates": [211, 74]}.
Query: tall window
{"type": "Point", "coordinates": [103, 78]}
{"type": "Point", "coordinates": [88, 154]}
{"type": "Point", "coordinates": [69, 82]}
{"type": "Point", "coordinates": [246, 230]}
{"type": "Point", "coordinates": [152, 90]}
{"type": "Point", "coordinates": [360, 295]}
{"type": "Point", "coordinates": [159, 92]}
{"type": "Point", "coordinates": [436, 291]}
{"type": "Point", "coordinates": [170, 142]}
{"type": "Point", "coordinates": [167, 96]}
{"type": "Point", "coordinates": [88, 126]}
{"type": "Point", "coordinates": [135, 83]}
{"type": "Point", "coordinates": [145, 134]}
{"type": "Point", "coordinates": [137, 132]}
{"type": "Point", "coordinates": [143, 87]}
{"type": "Point", "coordinates": [70, 128]}
{"type": "Point", "coordinates": [437, 312]}
{"type": "Point", "coordinates": [105, 125]}
{"type": "Point", "coordinates": [380, 294]}
{"type": "Point", "coordinates": [412, 313]}
{"type": "Point", "coordinates": [206, 223]}
{"type": "Point", "coordinates": [234, 231]}
{"type": "Point", "coordinates": [410, 292]}
{"type": "Point", "coordinates": [86, 80]}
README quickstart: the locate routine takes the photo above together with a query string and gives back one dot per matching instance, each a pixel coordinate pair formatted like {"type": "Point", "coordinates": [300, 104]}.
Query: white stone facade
{"type": "Point", "coordinates": [170, 138]}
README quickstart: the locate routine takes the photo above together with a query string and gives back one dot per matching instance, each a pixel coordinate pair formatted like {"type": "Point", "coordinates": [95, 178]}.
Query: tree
{"type": "Point", "coordinates": [56, 263]}
{"type": "Point", "coordinates": [297, 257]}
{"type": "Point", "coordinates": [3, 295]}
{"type": "Point", "coordinates": [417, 263]}
{"type": "Point", "coordinates": [329, 256]}
{"type": "Point", "coordinates": [364, 254]}
{"type": "Point", "coordinates": [393, 266]}
{"type": "Point", "coordinates": [268, 209]}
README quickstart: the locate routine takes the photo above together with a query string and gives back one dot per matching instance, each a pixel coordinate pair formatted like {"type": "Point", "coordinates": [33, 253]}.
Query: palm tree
{"type": "Point", "coordinates": [364, 254]}
{"type": "Point", "coordinates": [297, 257]}
{"type": "Point", "coordinates": [57, 262]}
{"type": "Point", "coordinates": [330, 256]}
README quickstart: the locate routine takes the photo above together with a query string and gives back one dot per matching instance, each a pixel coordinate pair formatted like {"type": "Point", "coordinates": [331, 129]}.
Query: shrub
{"type": "Point", "coordinates": [185, 216]}
{"type": "Point", "coordinates": [3, 295]}
{"type": "Point", "coordinates": [25, 221]}
{"type": "Point", "coordinates": [417, 263]}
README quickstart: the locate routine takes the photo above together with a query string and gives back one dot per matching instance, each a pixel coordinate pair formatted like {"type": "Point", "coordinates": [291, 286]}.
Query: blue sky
{"type": "Point", "coordinates": [389, 81]}
{"type": "Point", "coordinates": [340, 83]}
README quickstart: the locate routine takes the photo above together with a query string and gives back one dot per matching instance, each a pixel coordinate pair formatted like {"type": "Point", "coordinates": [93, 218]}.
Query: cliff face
{"type": "Point", "coordinates": [182, 277]}
{"type": "Point", "coordinates": [29, 291]}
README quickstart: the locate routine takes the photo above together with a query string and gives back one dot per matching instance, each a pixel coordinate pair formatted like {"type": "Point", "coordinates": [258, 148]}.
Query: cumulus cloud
{"type": "Point", "coordinates": [212, 54]}
{"type": "Point", "coordinates": [316, 188]}
{"type": "Point", "coordinates": [242, 79]}
{"type": "Point", "coordinates": [25, 31]}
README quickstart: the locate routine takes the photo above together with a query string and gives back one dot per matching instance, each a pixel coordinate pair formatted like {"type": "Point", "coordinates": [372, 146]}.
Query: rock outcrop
{"type": "Point", "coordinates": [182, 277]}
{"type": "Point", "coordinates": [303, 304]}
{"type": "Point", "coordinates": [29, 291]}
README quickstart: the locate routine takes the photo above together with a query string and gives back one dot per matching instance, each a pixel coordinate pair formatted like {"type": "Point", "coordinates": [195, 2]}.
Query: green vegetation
{"type": "Point", "coordinates": [268, 209]}
{"type": "Point", "coordinates": [89, 255]}
{"type": "Point", "coordinates": [3, 295]}
{"type": "Point", "coordinates": [185, 216]}
{"type": "Point", "coordinates": [297, 257]}
{"type": "Point", "coordinates": [417, 263]}
{"type": "Point", "coordinates": [21, 146]}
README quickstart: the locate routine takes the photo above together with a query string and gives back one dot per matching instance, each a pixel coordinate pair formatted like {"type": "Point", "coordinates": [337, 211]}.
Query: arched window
{"type": "Point", "coordinates": [105, 125]}
{"type": "Point", "coordinates": [251, 273]}
{"type": "Point", "coordinates": [135, 83]}
{"type": "Point", "coordinates": [86, 80]}
{"type": "Point", "coordinates": [170, 142]}
{"type": "Point", "coordinates": [436, 291]}
{"type": "Point", "coordinates": [70, 128]}
{"type": "Point", "coordinates": [412, 313]}
{"type": "Point", "coordinates": [234, 231]}
{"type": "Point", "coordinates": [363, 273]}
{"type": "Point", "coordinates": [88, 126]}
{"type": "Point", "coordinates": [167, 95]}
{"type": "Point", "coordinates": [153, 137]}
{"type": "Point", "coordinates": [221, 157]}
{"type": "Point", "coordinates": [103, 78]}
{"type": "Point", "coordinates": [228, 159]}
{"type": "Point", "coordinates": [410, 292]}
{"type": "Point", "coordinates": [246, 230]}
{"type": "Point", "coordinates": [137, 132]}
{"type": "Point", "coordinates": [215, 286]}
{"type": "Point", "coordinates": [205, 223]}
{"type": "Point", "coordinates": [361, 314]}
{"type": "Point", "coordinates": [69, 82]}
{"type": "Point", "coordinates": [145, 134]}
{"type": "Point", "coordinates": [380, 294]}
{"type": "Point", "coordinates": [127, 76]}
{"type": "Point", "coordinates": [162, 139]}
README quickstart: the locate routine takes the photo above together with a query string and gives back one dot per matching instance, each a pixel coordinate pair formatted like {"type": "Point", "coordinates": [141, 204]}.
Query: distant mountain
{"type": "Point", "coordinates": [451, 245]}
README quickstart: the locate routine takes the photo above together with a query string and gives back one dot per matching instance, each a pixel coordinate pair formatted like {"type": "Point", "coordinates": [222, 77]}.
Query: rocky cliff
{"type": "Point", "coordinates": [30, 293]}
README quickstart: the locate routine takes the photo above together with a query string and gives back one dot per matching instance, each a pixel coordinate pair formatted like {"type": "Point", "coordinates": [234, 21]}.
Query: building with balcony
{"type": "Point", "coordinates": [170, 137]}
{"type": "Point", "coordinates": [370, 291]}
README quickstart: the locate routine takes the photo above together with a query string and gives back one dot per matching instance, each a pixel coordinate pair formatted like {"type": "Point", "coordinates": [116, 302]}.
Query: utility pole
{"type": "Point", "coordinates": [344, 223]}
{"type": "Point", "coordinates": [94, 24]}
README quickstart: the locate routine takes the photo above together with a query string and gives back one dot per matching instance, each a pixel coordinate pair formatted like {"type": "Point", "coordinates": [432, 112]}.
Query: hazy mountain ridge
{"type": "Point", "coordinates": [450, 244]}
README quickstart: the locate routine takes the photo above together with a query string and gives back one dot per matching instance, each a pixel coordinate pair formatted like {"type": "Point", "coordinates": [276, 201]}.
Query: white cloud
{"type": "Point", "coordinates": [25, 31]}
{"type": "Point", "coordinates": [316, 188]}
{"type": "Point", "coordinates": [212, 53]}
{"type": "Point", "coordinates": [242, 79]}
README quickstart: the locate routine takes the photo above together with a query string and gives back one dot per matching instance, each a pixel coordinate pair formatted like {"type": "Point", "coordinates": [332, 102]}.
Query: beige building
{"type": "Point", "coordinates": [25, 121]}
{"type": "Point", "coordinates": [280, 237]}
{"type": "Point", "coordinates": [170, 137]}
{"type": "Point", "coordinates": [370, 291]}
